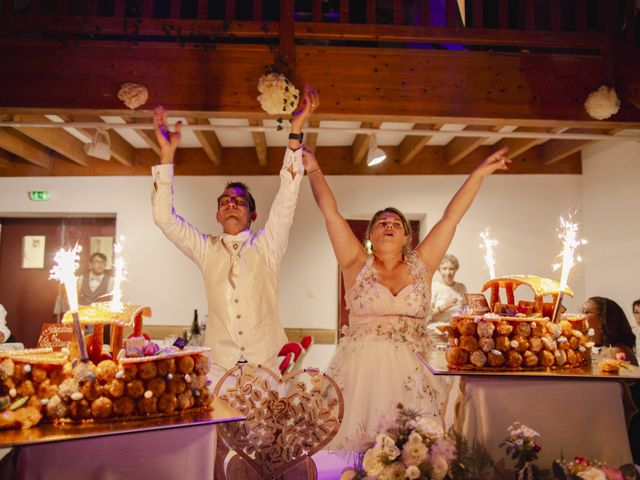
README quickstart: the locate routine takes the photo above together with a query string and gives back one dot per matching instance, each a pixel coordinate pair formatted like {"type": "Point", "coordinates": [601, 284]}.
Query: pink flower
{"type": "Point", "coordinates": [444, 449]}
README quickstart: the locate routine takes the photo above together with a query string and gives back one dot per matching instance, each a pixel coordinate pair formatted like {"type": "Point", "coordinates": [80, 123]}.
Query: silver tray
{"type": "Point", "coordinates": [437, 364]}
{"type": "Point", "coordinates": [49, 432]}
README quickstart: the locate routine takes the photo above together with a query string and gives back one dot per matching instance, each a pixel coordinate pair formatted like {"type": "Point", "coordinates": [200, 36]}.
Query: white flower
{"type": "Point", "coordinates": [602, 103]}
{"type": "Point", "coordinates": [592, 473]}
{"type": "Point", "coordinates": [414, 437]}
{"type": "Point", "coordinates": [384, 440]}
{"type": "Point", "coordinates": [394, 471]}
{"type": "Point", "coordinates": [371, 462]}
{"type": "Point", "coordinates": [518, 430]}
{"type": "Point", "coordinates": [414, 453]}
{"type": "Point", "coordinates": [391, 452]}
{"type": "Point", "coordinates": [412, 473]}
{"type": "Point", "coordinates": [429, 427]}
{"type": "Point", "coordinates": [278, 95]}
{"type": "Point", "coordinates": [440, 467]}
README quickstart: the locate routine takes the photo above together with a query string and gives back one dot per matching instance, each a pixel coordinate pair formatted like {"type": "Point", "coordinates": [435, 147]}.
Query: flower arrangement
{"type": "Point", "coordinates": [582, 469]}
{"type": "Point", "coordinates": [278, 96]}
{"type": "Point", "coordinates": [415, 448]}
{"type": "Point", "coordinates": [602, 103]}
{"type": "Point", "coordinates": [522, 446]}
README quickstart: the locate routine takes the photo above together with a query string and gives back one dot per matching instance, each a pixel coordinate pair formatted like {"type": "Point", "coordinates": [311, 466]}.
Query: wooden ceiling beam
{"type": "Point", "coordinates": [360, 145]}
{"type": "Point", "coordinates": [333, 160]}
{"type": "Point", "coordinates": [148, 136]}
{"type": "Point", "coordinates": [312, 137]}
{"type": "Point", "coordinates": [458, 148]}
{"type": "Point", "coordinates": [22, 146]}
{"type": "Point", "coordinates": [121, 150]}
{"type": "Point", "coordinates": [6, 114]}
{"type": "Point", "coordinates": [208, 139]}
{"type": "Point", "coordinates": [517, 146]}
{"type": "Point", "coordinates": [260, 143]}
{"type": "Point", "coordinates": [554, 151]}
{"type": "Point", "coordinates": [411, 145]}
{"type": "Point", "coordinates": [56, 139]}
{"type": "Point", "coordinates": [5, 162]}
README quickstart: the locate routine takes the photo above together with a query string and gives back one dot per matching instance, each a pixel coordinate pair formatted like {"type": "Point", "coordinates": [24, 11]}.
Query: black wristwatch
{"type": "Point", "coordinates": [296, 136]}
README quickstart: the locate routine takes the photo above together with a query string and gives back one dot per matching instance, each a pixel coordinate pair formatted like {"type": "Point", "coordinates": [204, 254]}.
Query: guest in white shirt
{"type": "Point", "coordinates": [241, 268]}
{"type": "Point", "coordinates": [447, 296]}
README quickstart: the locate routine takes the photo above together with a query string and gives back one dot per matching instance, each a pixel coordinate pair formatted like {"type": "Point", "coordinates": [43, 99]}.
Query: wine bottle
{"type": "Point", "coordinates": [195, 326]}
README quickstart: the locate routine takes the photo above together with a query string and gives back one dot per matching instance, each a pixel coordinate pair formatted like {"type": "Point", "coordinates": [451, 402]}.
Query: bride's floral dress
{"type": "Point", "coordinates": [375, 362]}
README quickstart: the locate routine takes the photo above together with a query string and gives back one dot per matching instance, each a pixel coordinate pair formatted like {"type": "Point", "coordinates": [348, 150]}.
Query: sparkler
{"type": "Point", "coordinates": [489, 257]}
{"type": "Point", "coordinates": [66, 264]}
{"type": "Point", "coordinates": [119, 275]}
{"type": "Point", "coordinates": [568, 233]}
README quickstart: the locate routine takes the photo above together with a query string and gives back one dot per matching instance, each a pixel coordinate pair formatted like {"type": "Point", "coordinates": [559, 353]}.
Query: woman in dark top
{"type": "Point", "coordinates": [612, 329]}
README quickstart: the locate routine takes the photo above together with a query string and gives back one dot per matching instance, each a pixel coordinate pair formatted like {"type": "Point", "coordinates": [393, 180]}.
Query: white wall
{"type": "Point", "coordinates": [521, 210]}
{"type": "Point", "coordinates": [611, 199]}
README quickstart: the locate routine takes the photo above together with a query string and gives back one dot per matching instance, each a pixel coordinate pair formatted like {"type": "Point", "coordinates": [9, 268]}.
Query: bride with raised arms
{"type": "Point", "coordinates": [388, 296]}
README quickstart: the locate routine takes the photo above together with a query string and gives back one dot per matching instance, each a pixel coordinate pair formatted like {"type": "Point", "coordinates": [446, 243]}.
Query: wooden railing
{"type": "Point", "coordinates": [555, 25]}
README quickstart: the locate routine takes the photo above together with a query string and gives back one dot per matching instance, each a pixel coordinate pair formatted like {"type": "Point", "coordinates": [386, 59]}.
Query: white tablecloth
{"type": "Point", "coordinates": [573, 417]}
{"type": "Point", "coordinates": [186, 453]}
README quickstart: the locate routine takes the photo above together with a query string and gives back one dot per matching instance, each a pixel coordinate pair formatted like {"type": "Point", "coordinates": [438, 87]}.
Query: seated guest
{"type": "Point", "coordinates": [612, 329]}
{"type": "Point", "coordinates": [447, 296]}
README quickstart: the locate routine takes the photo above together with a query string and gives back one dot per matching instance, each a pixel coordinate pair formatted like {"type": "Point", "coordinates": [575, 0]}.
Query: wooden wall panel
{"type": "Point", "coordinates": [387, 82]}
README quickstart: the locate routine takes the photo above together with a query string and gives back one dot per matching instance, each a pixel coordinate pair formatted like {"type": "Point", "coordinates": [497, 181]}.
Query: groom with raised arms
{"type": "Point", "coordinates": [241, 268]}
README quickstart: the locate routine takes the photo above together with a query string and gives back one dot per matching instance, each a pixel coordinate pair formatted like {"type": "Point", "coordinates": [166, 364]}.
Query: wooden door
{"type": "Point", "coordinates": [27, 294]}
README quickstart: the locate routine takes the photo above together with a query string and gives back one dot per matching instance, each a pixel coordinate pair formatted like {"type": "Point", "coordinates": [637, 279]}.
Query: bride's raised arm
{"type": "Point", "coordinates": [437, 242]}
{"type": "Point", "coordinates": [349, 252]}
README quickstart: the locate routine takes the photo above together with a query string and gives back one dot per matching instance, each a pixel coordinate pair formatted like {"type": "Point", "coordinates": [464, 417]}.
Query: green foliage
{"type": "Point", "coordinates": [473, 462]}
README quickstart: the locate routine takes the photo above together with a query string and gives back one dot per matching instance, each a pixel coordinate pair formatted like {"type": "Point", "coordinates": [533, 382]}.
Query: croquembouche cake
{"type": "Point", "coordinates": [519, 336]}
{"type": "Point", "coordinates": [136, 379]}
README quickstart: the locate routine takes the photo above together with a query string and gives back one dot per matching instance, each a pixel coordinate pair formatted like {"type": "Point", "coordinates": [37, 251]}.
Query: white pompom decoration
{"type": "Point", "coordinates": [133, 95]}
{"type": "Point", "coordinates": [278, 95]}
{"type": "Point", "coordinates": [602, 103]}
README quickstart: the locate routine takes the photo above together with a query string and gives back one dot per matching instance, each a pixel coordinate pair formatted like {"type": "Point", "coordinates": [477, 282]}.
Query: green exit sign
{"type": "Point", "coordinates": [39, 195]}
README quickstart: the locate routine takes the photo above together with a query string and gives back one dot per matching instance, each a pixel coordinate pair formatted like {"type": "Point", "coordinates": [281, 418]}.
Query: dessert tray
{"type": "Point", "coordinates": [220, 412]}
{"type": "Point", "coordinates": [437, 365]}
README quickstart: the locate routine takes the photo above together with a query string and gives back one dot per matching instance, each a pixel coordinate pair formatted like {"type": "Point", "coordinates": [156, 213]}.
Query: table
{"type": "Point", "coordinates": [574, 415]}
{"type": "Point", "coordinates": [161, 448]}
